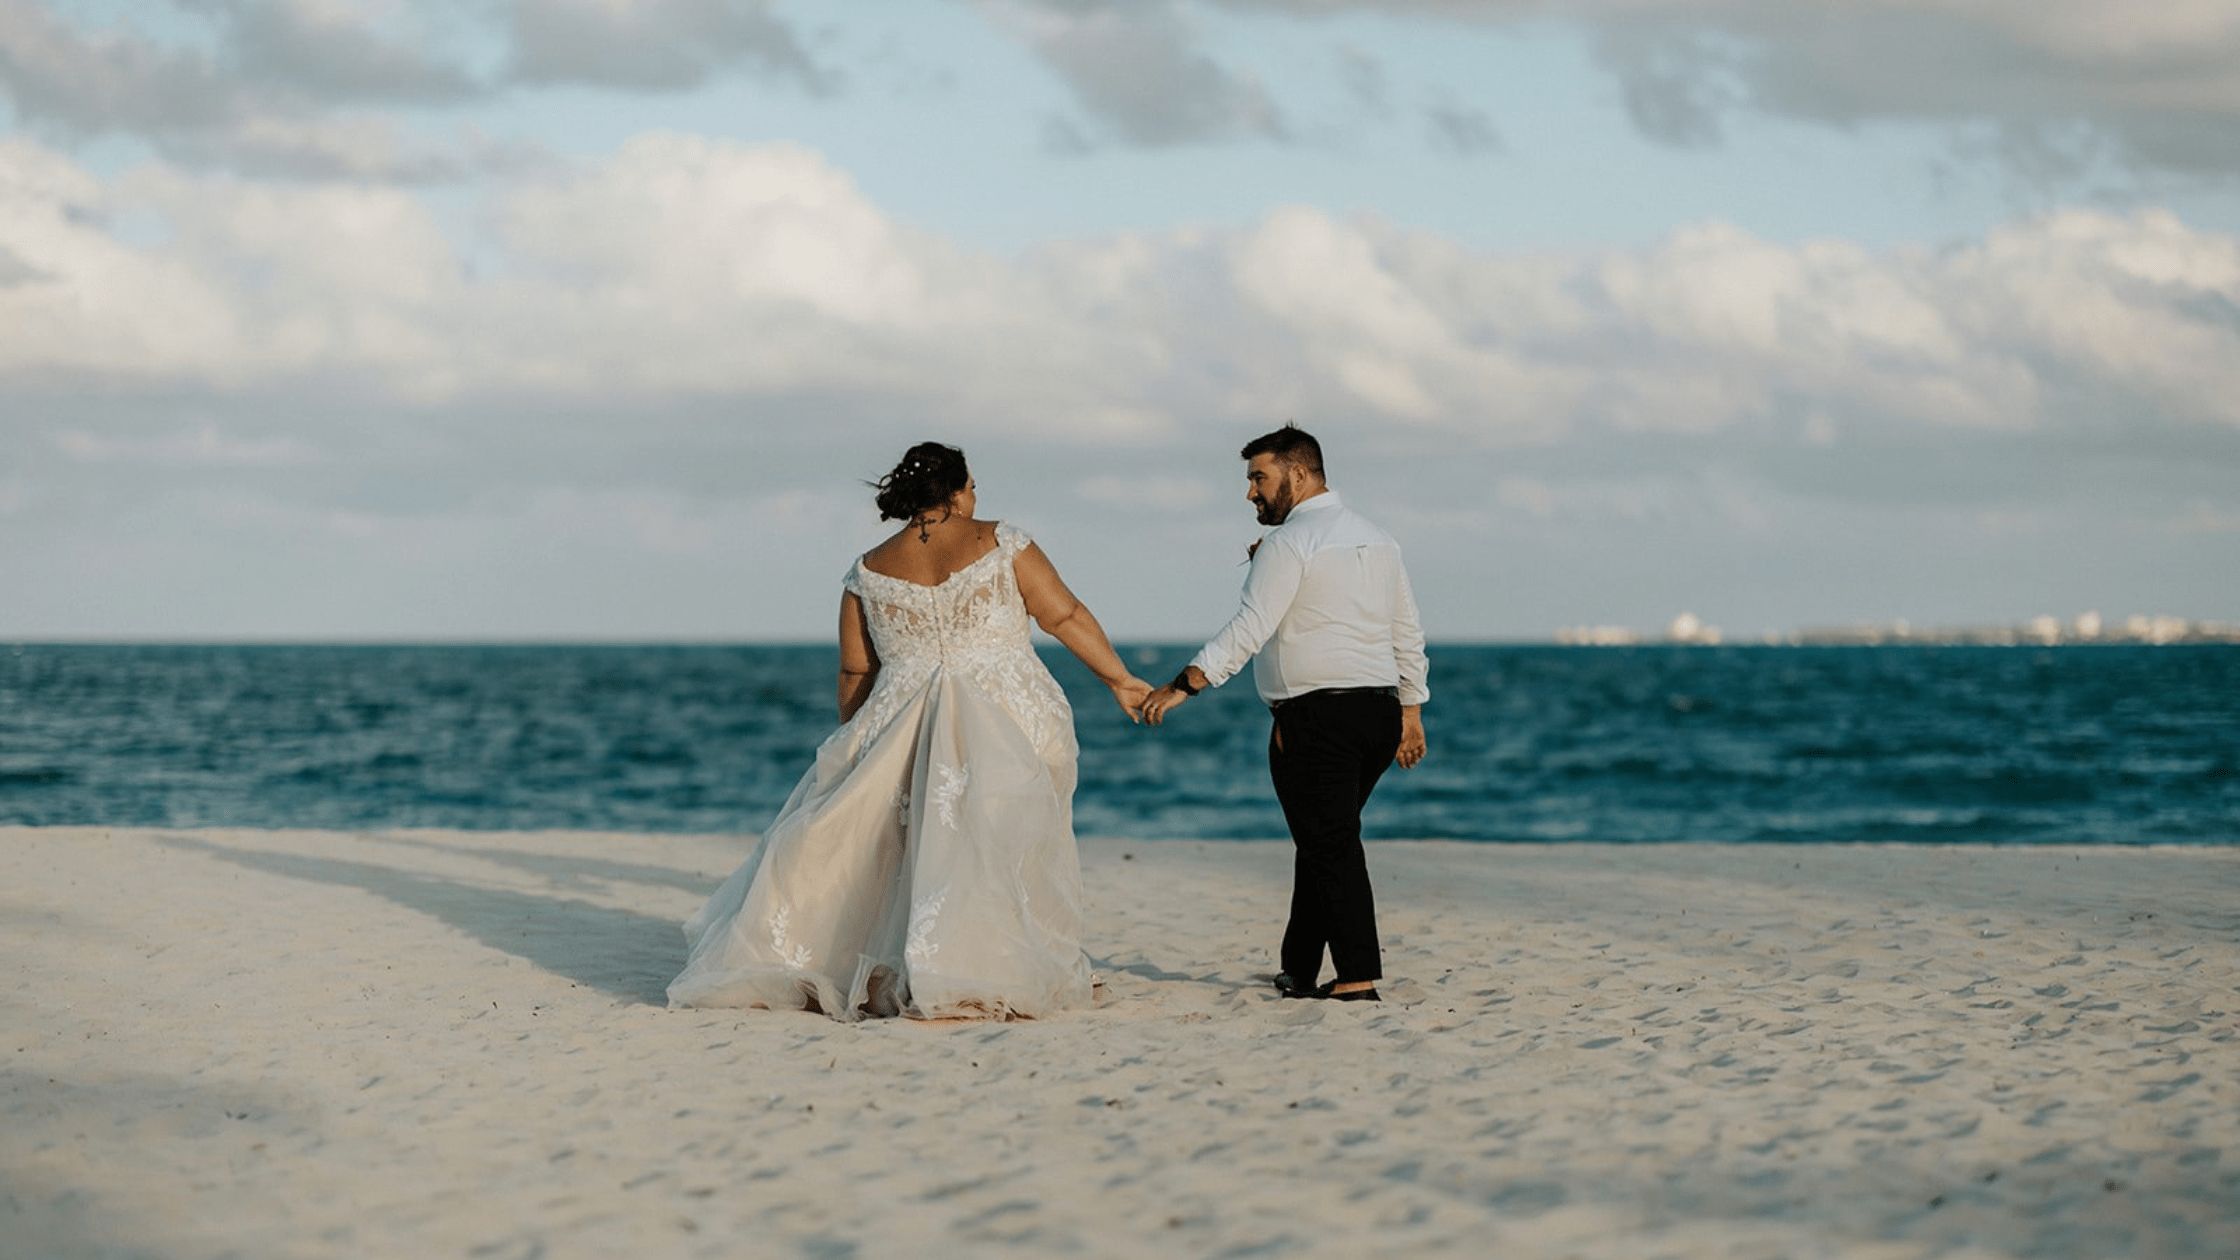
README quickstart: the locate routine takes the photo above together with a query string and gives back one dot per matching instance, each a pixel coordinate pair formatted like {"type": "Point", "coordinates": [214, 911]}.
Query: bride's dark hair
{"type": "Point", "coordinates": [929, 475]}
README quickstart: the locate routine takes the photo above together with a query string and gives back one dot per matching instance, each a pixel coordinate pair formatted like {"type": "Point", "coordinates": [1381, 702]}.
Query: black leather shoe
{"type": "Point", "coordinates": [1290, 988]}
{"type": "Point", "coordinates": [1329, 993]}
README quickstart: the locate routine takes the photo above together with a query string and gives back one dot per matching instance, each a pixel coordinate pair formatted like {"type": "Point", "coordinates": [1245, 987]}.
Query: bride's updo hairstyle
{"type": "Point", "coordinates": [929, 475]}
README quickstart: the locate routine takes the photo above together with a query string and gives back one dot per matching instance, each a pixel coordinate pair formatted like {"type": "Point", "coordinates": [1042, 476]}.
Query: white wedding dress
{"type": "Point", "coordinates": [925, 865]}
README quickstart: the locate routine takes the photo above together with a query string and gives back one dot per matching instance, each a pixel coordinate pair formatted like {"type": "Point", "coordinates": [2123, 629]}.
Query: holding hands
{"type": "Point", "coordinates": [1130, 693]}
{"type": "Point", "coordinates": [1191, 681]}
{"type": "Point", "coordinates": [1185, 685]}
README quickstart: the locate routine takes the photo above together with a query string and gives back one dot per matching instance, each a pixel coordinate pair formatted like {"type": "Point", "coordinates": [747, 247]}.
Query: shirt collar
{"type": "Point", "coordinates": [1327, 499]}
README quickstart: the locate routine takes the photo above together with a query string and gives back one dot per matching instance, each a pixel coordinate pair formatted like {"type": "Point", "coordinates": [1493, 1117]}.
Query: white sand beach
{"type": "Point", "coordinates": [435, 1044]}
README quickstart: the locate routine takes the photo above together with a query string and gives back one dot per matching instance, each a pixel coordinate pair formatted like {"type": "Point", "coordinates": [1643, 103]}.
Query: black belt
{"type": "Point", "coordinates": [1336, 691]}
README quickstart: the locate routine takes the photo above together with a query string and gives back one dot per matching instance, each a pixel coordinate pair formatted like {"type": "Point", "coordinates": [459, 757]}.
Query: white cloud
{"type": "Point", "coordinates": [682, 267]}
{"type": "Point", "coordinates": [115, 79]}
{"type": "Point", "coordinates": [2050, 88]}
{"type": "Point", "coordinates": [2202, 518]}
{"type": "Point", "coordinates": [247, 283]}
{"type": "Point", "coordinates": [356, 147]}
{"type": "Point", "coordinates": [249, 512]}
{"type": "Point", "coordinates": [342, 49]}
{"type": "Point", "coordinates": [657, 45]}
{"type": "Point", "coordinates": [284, 88]}
{"type": "Point", "coordinates": [332, 326]}
{"type": "Point", "coordinates": [1137, 72]}
{"type": "Point", "coordinates": [260, 100]}
{"type": "Point", "coordinates": [677, 217]}
{"type": "Point", "coordinates": [668, 364]}
{"type": "Point", "coordinates": [202, 445]}
{"type": "Point", "coordinates": [2053, 89]}
{"type": "Point", "coordinates": [1462, 129]}
{"type": "Point", "coordinates": [1636, 500]}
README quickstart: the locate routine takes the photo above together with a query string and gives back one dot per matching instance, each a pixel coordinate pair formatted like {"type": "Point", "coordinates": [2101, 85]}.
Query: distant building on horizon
{"type": "Point", "coordinates": [2043, 630]}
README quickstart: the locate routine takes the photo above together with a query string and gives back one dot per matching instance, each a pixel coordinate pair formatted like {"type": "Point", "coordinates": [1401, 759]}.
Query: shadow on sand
{"type": "Point", "coordinates": [621, 952]}
{"type": "Point", "coordinates": [565, 871]}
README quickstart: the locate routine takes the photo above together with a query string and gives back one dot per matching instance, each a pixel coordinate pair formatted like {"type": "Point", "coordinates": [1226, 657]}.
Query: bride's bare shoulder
{"type": "Point", "coordinates": [885, 546]}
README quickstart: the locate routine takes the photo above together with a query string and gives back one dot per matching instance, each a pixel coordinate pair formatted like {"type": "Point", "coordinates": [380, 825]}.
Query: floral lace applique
{"type": "Point", "coordinates": [791, 953]}
{"type": "Point", "coordinates": [922, 915]}
{"type": "Point", "coordinates": [975, 627]}
{"type": "Point", "coordinates": [954, 779]}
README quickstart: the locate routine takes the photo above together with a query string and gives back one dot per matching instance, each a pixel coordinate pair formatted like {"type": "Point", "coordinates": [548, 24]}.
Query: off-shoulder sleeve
{"type": "Point", "coordinates": [851, 582]}
{"type": "Point", "coordinates": [1012, 539]}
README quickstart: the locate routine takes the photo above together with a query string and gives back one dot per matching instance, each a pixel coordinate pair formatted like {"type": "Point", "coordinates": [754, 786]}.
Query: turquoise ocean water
{"type": "Point", "coordinates": [1976, 745]}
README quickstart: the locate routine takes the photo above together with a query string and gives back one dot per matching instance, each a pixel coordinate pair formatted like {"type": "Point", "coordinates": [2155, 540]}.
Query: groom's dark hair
{"type": "Point", "coordinates": [1290, 445]}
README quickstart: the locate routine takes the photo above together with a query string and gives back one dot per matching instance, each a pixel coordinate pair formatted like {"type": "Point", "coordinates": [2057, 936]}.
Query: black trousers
{"type": "Point", "coordinates": [1326, 752]}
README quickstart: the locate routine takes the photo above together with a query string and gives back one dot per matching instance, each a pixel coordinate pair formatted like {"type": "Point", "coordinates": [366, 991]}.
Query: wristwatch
{"type": "Point", "coordinates": [1181, 682]}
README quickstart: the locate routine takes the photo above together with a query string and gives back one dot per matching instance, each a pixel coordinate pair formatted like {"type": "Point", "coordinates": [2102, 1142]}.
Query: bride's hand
{"type": "Point", "coordinates": [1130, 695]}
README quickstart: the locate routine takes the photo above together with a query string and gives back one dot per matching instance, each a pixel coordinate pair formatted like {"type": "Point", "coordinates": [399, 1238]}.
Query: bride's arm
{"type": "Point", "coordinates": [1070, 622]}
{"type": "Point", "coordinates": [859, 662]}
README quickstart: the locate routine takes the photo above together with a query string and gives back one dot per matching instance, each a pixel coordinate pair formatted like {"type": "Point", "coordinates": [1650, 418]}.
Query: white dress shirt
{"type": "Point", "coordinates": [1326, 604]}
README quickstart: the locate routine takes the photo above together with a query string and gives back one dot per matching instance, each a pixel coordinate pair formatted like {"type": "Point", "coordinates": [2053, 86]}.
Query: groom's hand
{"type": "Point", "coordinates": [1174, 693]}
{"type": "Point", "coordinates": [1163, 699]}
{"type": "Point", "coordinates": [1412, 743]}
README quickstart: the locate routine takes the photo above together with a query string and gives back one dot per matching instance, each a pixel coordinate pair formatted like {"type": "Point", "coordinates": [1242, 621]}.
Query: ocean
{"type": "Point", "coordinates": [1947, 745]}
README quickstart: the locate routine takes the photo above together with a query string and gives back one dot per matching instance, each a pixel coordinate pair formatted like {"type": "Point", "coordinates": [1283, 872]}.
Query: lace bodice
{"type": "Point", "coordinates": [974, 625]}
{"type": "Point", "coordinates": [925, 864]}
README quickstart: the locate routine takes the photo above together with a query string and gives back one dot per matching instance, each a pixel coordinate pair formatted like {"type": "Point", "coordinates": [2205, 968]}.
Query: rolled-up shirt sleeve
{"type": "Point", "coordinates": [1270, 585]}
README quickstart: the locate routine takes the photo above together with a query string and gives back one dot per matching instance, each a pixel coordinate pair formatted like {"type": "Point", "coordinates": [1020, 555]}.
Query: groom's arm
{"type": "Point", "coordinates": [1269, 587]}
{"type": "Point", "coordinates": [1415, 673]}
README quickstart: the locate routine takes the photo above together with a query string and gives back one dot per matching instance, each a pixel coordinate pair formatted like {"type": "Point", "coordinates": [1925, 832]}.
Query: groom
{"type": "Point", "coordinates": [1330, 627]}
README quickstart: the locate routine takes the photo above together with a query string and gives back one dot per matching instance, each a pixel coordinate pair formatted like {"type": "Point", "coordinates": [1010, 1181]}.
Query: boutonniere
{"type": "Point", "coordinates": [1251, 549]}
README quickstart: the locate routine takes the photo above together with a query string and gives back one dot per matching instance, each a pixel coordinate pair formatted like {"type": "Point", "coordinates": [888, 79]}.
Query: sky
{"type": "Point", "coordinates": [590, 319]}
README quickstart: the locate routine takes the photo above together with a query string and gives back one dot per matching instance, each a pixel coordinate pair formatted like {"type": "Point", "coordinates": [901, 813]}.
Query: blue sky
{"type": "Point", "coordinates": [587, 318]}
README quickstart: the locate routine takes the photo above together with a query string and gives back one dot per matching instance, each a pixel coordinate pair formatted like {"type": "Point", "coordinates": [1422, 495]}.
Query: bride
{"type": "Point", "coordinates": [925, 865]}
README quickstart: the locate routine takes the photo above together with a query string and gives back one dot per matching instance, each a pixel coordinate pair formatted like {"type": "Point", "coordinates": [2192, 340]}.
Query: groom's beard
{"type": "Point", "coordinates": [1277, 506]}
